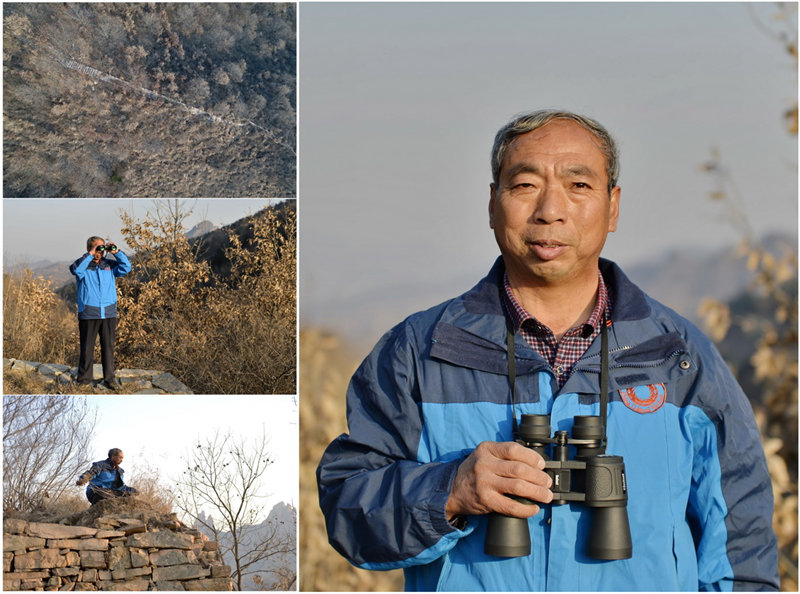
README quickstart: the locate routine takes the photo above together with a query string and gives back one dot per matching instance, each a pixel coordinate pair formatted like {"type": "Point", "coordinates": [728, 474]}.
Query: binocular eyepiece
{"type": "Point", "coordinates": [592, 478]}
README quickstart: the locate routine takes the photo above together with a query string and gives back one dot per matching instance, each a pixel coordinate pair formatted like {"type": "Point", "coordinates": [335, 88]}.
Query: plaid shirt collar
{"type": "Point", "coordinates": [564, 354]}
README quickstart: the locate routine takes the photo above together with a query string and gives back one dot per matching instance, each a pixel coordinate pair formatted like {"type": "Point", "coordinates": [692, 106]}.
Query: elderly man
{"type": "Point", "coordinates": [97, 306]}
{"type": "Point", "coordinates": [105, 479]}
{"type": "Point", "coordinates": [553, 331]}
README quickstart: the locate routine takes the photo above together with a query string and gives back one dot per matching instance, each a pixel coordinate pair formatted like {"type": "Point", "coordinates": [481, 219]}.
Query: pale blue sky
{"type": "Point", "coordinates": [399, 104]}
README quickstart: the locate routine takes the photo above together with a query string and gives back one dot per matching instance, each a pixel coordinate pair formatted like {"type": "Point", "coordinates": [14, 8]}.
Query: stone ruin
{"type": "Point", "coordinates": [140, 381]}
{"type": "Point", "coordinates": [125, 549]}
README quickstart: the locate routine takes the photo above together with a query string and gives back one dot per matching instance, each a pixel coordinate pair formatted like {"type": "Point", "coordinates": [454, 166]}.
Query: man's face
{"type": "Point", "coordinates": [97, 254]}
{"type": "Point", "coordinates": [551, 210]}
{"type": "Point", "coordinates": [117, 459]}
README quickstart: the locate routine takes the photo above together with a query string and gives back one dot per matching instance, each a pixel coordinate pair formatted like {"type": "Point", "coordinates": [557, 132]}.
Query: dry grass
{"type": "Point", "coordinates": [37, 325]}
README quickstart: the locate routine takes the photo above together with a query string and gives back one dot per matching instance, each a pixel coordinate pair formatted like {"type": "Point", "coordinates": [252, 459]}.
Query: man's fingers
{"type": "Point", "coordinates": [508, 506]}
{"type": "Point", "coordinates": [509, 450]}
{"type": "Point", "coordinates": [493, 470]}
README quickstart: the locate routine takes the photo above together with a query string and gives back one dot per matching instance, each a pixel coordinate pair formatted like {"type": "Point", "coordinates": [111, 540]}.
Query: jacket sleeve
{"type": "Point", "coordinates": [89, 474]}
{"type": "Point", "coordinates": [383, 508]}
{"type": "Point", "coordinates": [731, 501]}
{"type": "Point", "coordinates": [123, 266]}
{"type": "Point", "coordinates": [79, 266]}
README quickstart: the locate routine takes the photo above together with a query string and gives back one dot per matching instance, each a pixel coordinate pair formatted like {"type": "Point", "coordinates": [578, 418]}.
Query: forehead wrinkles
{"type": "Point", "coordinates": [571, 155]}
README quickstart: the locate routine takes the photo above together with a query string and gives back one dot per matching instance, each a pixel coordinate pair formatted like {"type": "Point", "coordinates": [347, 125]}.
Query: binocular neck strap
{"type": "Point", "coordinates": [512, 374]}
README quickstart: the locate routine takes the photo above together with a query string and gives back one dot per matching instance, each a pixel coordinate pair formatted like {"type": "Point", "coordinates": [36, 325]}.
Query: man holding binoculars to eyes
{"type": "Point", "coordinates": [554, 428]}
{"type": "Point", "coordinates": [97, 306]}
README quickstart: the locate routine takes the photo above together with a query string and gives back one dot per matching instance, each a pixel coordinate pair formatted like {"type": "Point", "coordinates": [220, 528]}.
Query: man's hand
{"type": "Point", "coordinates": [493, 470]}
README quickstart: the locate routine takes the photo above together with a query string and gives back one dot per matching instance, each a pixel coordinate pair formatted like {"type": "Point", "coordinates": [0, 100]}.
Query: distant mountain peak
{"type": "Point", "coordinates": [201, 228]}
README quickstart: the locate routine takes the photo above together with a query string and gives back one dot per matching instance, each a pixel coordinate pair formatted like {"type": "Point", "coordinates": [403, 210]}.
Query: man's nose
{"type": "Point", "coordinates": [551, 205]}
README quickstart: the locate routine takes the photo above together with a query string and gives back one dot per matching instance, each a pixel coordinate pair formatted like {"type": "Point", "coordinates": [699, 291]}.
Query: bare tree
{"type": "Point", "coordinates": [224, 477]}
{"type": "Point", "coordinates": [45, 440]}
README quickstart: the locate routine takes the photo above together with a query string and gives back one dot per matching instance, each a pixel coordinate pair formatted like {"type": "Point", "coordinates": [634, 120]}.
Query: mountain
{"type": "Point", "coordinates": [200, 228]}
{"type": "Point", "coordinates": [282, 524]}
{"type": "Point", "coordinates": [683, 278]}
{"type": "Point", "coordinates": [56, 272]}
{"type": "Point", "coordinates": [149, 99]}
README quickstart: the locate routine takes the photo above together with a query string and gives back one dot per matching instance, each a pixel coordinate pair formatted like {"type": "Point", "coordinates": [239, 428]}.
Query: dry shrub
{"type": "Point", "coordinates": [54, 511]}
{"type": "Point", "coordinates": [37, 324]}
{"type": "Point", "coordinates": [325, 373]}
{"type": "Point", "coordinates": [150, 492]}
{"type": "Point", "coordinates": [217, 334]}
{"type": "Point", "coordinates": [774, 363]}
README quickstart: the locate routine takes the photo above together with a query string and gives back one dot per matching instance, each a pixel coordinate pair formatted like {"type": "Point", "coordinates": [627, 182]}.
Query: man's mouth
{"type": "Point", "coordinates": [546, 249]}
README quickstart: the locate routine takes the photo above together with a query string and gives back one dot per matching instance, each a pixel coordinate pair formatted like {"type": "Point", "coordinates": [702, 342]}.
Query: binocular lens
{"type": "Point", "coordinates": [507, 537]}
{"type": "Point", "coordinates": [534, 427]}
{"type": "Point", "coordinates": [609, 534]}
{"type": "Point", "coordinates": [587, 427]}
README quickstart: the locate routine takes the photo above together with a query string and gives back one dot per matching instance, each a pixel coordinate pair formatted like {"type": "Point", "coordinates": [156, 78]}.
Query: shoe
{"type": "Point", "coordinates": [112, 385]}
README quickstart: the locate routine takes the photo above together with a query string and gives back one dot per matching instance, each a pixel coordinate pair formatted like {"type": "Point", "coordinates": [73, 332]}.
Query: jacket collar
{"type": "Point", "coordinates": [471, 331]}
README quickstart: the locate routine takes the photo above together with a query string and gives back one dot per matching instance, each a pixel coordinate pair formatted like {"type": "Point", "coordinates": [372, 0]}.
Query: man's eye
{"type": "Point", "coordinates": [582, 186]}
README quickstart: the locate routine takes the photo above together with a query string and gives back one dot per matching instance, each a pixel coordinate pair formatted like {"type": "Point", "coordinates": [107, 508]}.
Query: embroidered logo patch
{"type": "Point", "coordinates": [644, 399]}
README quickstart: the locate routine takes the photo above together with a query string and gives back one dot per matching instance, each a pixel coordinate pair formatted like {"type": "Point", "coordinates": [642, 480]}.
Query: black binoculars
{"type": "Point", "coordinates": [593, 478]}
{"type": "Point", "coordinates": [109, 247]}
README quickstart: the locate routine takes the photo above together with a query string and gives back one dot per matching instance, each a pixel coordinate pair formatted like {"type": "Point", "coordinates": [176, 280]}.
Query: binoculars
{"type": "Point", "coordinates": [592, 478]}
{"type": "Point", "coordinates": [109, 247]}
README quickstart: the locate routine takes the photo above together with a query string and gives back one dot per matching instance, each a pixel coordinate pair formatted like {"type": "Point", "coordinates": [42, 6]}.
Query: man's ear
{"type": "Point", "coordinates": [614, 209]}
{"type": "Point", "coordinates": [491, 204]}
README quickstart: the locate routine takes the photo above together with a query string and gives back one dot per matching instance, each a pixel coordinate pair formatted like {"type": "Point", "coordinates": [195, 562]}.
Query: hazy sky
{"type": "Point", "coordinates": [399, 104]}
{"type": "Point", "coordinates": [57, 229]}
{"type": "Point", "coordinates": [157, 431]}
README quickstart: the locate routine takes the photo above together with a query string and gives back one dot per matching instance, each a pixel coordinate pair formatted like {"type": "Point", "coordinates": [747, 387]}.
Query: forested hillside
{"type": "Point", "coordinates": [147, 99]}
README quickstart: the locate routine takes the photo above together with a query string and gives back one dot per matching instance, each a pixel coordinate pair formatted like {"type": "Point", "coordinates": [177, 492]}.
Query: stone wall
{"type": "Point", "coordinates": [121, 554]}
{"type": "Point", "coordinates": [143, 381]}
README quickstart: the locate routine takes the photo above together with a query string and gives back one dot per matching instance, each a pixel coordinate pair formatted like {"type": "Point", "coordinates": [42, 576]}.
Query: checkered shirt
{"type": "Point", "coordinates": [564, 354]}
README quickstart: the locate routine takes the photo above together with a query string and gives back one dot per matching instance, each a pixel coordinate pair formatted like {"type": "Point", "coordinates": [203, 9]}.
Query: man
{"type": "Point", "coordinates": [433, 411]}
{"type": "Point", "coordinates": [105, 479]}
{"type": "Point", "coordinates": [97, 306]}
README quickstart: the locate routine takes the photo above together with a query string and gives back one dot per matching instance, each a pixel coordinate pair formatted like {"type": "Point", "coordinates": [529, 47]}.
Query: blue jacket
{"type": "Point", "coordinates": [97, 289]}
{"type": "Point", "coordinates": [435, 386]}
{"type": "Point", "coordinates": [103, 475]}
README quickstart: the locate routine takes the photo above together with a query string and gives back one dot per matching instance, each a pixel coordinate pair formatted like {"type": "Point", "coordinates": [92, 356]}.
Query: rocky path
{"type": "Point", "coordinates": [133, 381]}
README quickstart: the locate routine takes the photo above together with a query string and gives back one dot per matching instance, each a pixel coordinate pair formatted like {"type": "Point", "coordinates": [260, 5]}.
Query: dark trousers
{"type": "Point", "coordinates": [97, 494]}
{"type": "Point", "coordinates": [89, 329]}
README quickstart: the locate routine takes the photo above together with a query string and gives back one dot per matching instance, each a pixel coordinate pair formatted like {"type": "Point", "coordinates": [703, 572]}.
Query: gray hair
{"type": "Point", "coordinates": [114, 452]}
{"type": "Point", "coordinates": [528, 122]}
{"type": "Point", "coordinates": [91, 240]}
